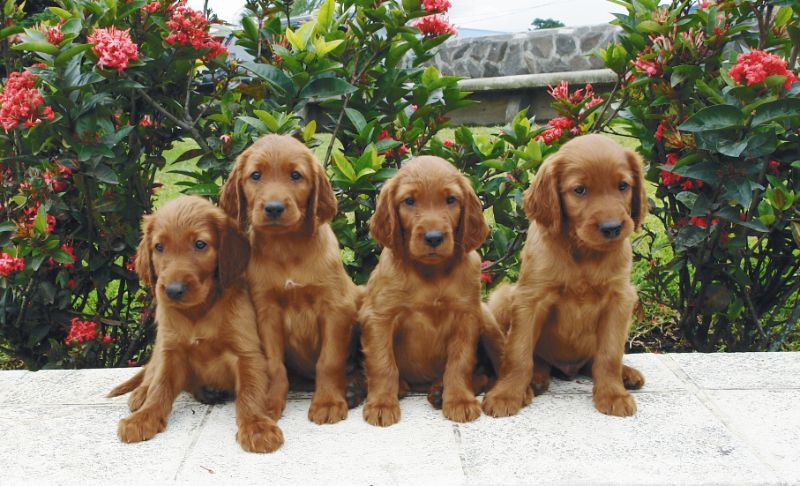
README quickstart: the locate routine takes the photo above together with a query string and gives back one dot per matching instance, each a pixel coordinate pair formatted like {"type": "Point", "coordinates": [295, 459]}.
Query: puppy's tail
{"type": "Point", "coordinates": [500, 305]}
{"type": "Point", "coordinates": [128, 386]}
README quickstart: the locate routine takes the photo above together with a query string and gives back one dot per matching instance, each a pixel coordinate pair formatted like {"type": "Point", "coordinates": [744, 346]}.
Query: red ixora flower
{"type": "Point", "coordinates": [151, 7]}
{"type": "Point", "coordinates": [10, 264]}
{"type": "Point", "coordinates": [434, 26]}
{"type": "Point", "coordinates": [555, 128]}
{"type": "Point", "coordinates": [702, 222]}
{"type": "Point", "coordinates": [21, 102]}
{"type": "Point", "coordinates": [113, 47]}
{"type": "Point", "coordinates": [448, 143]}
{"type": "Point", "coordinates": [54, 35]}
{"type": "Point", "coordinates": [753, 68]}
{"type": "Point", "coordinates": [189, 27]}
{"type": "Point", "coordinates": [399, 151]}
{"type": "Point", "coordinates": [436, 6]}
{"type": "Point", "coordinates": [80, 331]}
{"type": "Point", "coordinates": [486, 277]}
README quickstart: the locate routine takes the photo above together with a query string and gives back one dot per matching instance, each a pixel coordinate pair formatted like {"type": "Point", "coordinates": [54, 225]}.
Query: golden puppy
{"type": "Point", "coordinates": [306, 304]}
{"type": "Point", "coordinates": [193, 256]}
{"type": "Point", "coordinates": [572, 305]}
{"type": "Point", "coordinates": [422, 314]}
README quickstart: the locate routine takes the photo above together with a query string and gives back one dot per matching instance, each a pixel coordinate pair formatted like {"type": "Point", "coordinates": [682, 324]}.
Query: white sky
{"type": "Point", "coordinates": [498, 15]}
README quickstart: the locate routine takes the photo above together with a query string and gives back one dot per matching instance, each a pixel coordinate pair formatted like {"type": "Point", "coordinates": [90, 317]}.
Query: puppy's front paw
{"type": "Point", "coordinates": [137, 398]}
{"type": "Point", "coordinates": [327, 411]}
{"type": "Point", "coordinates": [382, 412]}
{"type": "Point", "coordinates": [618, 405]}
{"type": "Point", "coordinates": [462, 409]}
{"type": "Point", "coordinates": [139, 427]}
{"type": "Point", "coordinates": [632, 378]}
{"type": "Point", "coordinates": [259, 435]}
{"type": "Point", "coordinates": [274, 408]}
{"type": "Point", "coordinates": [503, 403]}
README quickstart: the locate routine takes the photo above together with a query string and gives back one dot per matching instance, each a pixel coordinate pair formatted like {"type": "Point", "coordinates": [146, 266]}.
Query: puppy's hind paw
{"type": "Point", "coordinates": [139, 427]}
{"type": "Point", "coordinates": [632, 378]}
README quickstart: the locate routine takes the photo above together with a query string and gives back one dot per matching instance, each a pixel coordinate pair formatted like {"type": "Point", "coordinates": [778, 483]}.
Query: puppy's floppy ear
{"type": "Point", "coordinates": [233, 254]}
{"type": "Point", "coordinates": [473, 230]}
{"type": "Point", "coordinates": [385, 225]}
{"type": "Point", "coordinates": [144, 260]}
{"type": "Point", "coordinates": [542, 200]}
{"type": "Point", "coordinates": [323, 199]}
{"type": "Point", "coordinates": [232, 199]}
{"type": "Point", "coordinates": [638, 191]}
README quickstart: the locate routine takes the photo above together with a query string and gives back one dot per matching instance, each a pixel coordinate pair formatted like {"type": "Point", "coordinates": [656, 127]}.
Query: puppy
{"type": "Point", "coordinates": [422, 315]}
{"type": "Point", "coordinates": [193, 256]}
{"type": "Point", "coordinates": [571, 308]}
{"type": "Point", "coordinates": [306, 304]}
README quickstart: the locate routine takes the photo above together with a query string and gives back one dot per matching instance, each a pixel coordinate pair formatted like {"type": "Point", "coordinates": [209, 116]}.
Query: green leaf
{"type": "Point", "coordinates": [44, 47]}
{"type": "Point", "coordinates": [68, 54]}
{"type": "Point", "coordinates": [250, 27]}
{"type": "Point", "coordinates": [268, 119]}
{"type": "Point", "coordinates": [705, 171]}
{"type": "Point", "coordinates": [62, 256]}
{"type": "Point", "coordinates": [326, 88]}
{"type": "Point", "coordinates": [256, 123]}
{"type": "Point", "coordinates": [64, 14]}
{"type": "Point", "coordinates": [271, 74]}
{"type": "Point", "coordinates": [14, 29]}
{"type": "Point", "coordinates": [309, 131]}
{"type": "Point", "coordinates": [776, 110]}
{"type": "Point", "coordinates": [344, 166]}
{"type": "Point", "coordinates": [40, 223]}
{"type": "Point", "coordinates": [104, 173]}
{"type": "Point", "coordinates": [356, 118]}
{"type": "Point", "coordinates": [325, 15]}
{"type": "Point", "coordinates": [647, 26]}
{"type": "Point", "coordinates": [715, 117]}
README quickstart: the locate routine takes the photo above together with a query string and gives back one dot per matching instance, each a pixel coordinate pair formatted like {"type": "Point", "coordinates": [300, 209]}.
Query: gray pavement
{"type": "Point", "coordinates": [702, 419]}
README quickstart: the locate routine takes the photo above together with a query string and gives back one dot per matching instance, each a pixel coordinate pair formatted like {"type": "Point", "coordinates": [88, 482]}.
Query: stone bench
{"type": "Point", "coordinates": [703, 418]}
{"type": "Point", "coordinates": [501, 98]}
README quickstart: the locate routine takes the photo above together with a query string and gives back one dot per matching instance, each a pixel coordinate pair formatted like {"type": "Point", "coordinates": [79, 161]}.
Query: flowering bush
{"type": "Point", "coordinates": [719, 129]}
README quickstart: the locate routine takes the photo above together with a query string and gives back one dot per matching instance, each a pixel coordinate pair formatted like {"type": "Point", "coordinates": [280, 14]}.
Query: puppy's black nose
{"type": "Point", "coordinates": [175, 290]}
{"type": "Point", "coordinates": [274, 209]}
{"type": "Point", "coordinates": [610, 229]}
{"type": "Point", "coordinates": [433, 238]}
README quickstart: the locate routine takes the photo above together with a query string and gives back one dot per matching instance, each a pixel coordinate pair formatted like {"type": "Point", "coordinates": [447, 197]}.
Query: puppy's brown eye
{"type": "Point", "coordinates": [200, 245]}
{"type": "Point", "coordinates": [255, 175]}
{"type": "Point", "coordinates": [159, 247]}
{"type": "Point", "coordinates": [296, 176]}
{"type": "Point", "coordinates": [623, 186]}
{"type": "Point", "coordinates": [580, 190]}
{"type": "Point", "coordinates": [409, 201]}
{"type": "Point", "coordinates": [451, 199]}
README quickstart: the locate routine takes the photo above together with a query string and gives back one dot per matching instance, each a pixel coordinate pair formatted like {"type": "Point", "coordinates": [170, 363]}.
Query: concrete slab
{"type": "Point", "coordinates": [769, 420]}
{"type": "Point", "coordinates": [76, 387]}
{"type": "Point", "coordinates": [702, 419]}
{"type": "Point", "coordinates": [562, 439]}
{"type": "Point", "coordinates": [55, 444]}
{"type": "Point", "coordinates": [420, 449]}
{"type": "Point", "coordinates": [733, 371]}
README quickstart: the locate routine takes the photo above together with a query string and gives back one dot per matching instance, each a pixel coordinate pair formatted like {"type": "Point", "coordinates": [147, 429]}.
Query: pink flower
{"type": "Point", "coordinates": [434, 26]}
{"type": "Point", "coordinates": [754, 67]}
{"type": "Point", "coordinates": [22, 102]}
{"type": "Point", "coordinates": [486, 277]}
{"type": "Point", "coordinates": [113, 47]}
{"type": "Point", "coordinates": [10, 264]}
{"type": "Point", "coordinates": [151, 7]}
{"type": "Point", "coordinates": [436, 6]}
{"type": "Point", "coordinates": [190, 27]}
{"type": "Point", "coordinates": [448, 143]}
{"type": "Point", "coordinates": [54, 35]}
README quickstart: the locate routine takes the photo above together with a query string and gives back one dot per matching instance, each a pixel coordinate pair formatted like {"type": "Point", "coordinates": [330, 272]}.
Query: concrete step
{"type": "Point", "coordinates": [702, 419]}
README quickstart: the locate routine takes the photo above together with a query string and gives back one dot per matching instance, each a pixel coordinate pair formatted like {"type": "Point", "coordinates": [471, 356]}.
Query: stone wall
{"type": "Point", "coordinates": [540, 51]}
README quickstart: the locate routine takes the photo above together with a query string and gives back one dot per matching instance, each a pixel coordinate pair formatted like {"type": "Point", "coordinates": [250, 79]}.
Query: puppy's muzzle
{"type": "Point", "coordinates": [175, 290]}
{"type": "Point", "coordinates": [433, 238]}
{"type": "Point", "coordinates": [274, 209]}
{"type": "Point", "coordinates": [610, 229]}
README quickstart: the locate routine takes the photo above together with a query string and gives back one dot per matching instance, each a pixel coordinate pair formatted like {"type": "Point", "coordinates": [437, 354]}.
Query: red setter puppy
{"type": "Point", "coordinates": [306, 304]}
{"type": "Point", "coordinates": [422, 314]}
{"type": "Point", "coordinates": [571, 308]}
{"type": "Point", "coordinates": [193, 256]}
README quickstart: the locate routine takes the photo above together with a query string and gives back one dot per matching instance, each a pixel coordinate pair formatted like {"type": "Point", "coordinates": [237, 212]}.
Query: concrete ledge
{"type": "Point", "coordinates": [702, 419]}
{"type": "Point", "coordinates": [539, 80]}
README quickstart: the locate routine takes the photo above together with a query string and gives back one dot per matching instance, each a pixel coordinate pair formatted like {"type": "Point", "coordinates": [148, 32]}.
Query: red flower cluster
{"type": "Point", "coordinates": [486, 277]}
{"type": "Point", "coordinates": [22, 102]}
{"type": "Point", "coordinates": [30, 214]}
{"type": "Point", "coordinates": [561, 93]}
{"type": "Point", "coordinates": [670, 178]}
{"type": "Point", "coordinates": [436, 6]}
{"type": "Point", "coordinates": [434, 26]}
{"type": "Point", "coordinates": [54, 35]}
{"type": "Point", "coordinates": [9, 264]}
{"type": "Point", "coordinates": [702, 222]}
{"type": "Point", "coordinates": [555, 128]}
{"type": "Point", "coordinates": [754, 67]}
{"type": "Point", "coordinates": [448, 143]}
{"type": "Point", "coordinates": [151, 7]}
{"type": "Point", "coordinates": [130, 265]}
{"type": "Point", "coordinates": [55, 179]}
{"type": "Point", "coordinates": [189, 27]}
{"type": "Point", "coordinates": [397, 152]}
{"type": "Point", "coordinates": [113, 47]}
{"type": "Point", "coordinates": [80, 331]}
